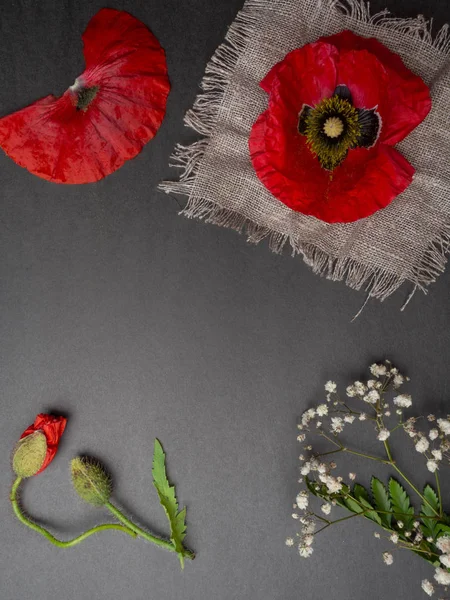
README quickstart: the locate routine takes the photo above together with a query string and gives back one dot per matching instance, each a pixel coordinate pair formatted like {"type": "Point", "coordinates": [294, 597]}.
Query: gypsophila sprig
{"type": "Point", "coordinates": [417, 523]}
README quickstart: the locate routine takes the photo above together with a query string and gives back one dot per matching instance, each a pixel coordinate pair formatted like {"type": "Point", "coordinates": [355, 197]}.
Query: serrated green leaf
{"type": "Point", "coordinates": [353, 505]}
{"type": "Point", "coordinates": [429, 509]}
{"type": "Point", "coordinates": [381, 501]}
{"type": "Point", "coordinates": [167, 498]}
{"type": "Point", "coordinates": [401, 504]}
{"type": "Point", "coordinates": [362, 496]}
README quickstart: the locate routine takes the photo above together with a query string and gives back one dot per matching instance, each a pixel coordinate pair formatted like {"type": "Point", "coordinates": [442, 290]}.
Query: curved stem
{"type": "Point", "coordinates": [145, 534]}
{"type": "Point", "coordinates": [58, 543]}
{"type": "Point", "coordinates": [438, 486]}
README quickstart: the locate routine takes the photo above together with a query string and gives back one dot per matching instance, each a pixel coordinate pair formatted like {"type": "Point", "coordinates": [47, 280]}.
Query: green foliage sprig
{"type": "Point", "coordinates": [417, 523]}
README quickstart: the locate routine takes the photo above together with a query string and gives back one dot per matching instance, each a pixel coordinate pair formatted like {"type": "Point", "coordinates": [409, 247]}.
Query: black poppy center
{"type": "Point", "coordinates": [334, 126]}
{"type": "Point", "coordinates": [85, 97]}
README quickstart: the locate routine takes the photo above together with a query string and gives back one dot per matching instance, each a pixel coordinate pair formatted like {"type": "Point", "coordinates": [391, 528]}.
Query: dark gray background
{"type": "Point", "coordinates": [137, 323]}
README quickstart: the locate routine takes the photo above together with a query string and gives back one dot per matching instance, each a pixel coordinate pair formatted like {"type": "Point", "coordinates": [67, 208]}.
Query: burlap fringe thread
{"type": "Point", "coordinates": [202, 118]}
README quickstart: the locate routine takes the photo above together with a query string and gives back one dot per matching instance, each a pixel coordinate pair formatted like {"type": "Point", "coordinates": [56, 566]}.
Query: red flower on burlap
{"type": "Point", "coordinates": [53, 428]}
{"type": "Point", "coordinates": [113, 109]}
{"type": "Point", "coordinates": [324, 146]}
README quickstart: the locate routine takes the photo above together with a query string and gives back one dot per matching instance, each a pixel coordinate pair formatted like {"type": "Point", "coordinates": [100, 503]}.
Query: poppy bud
{"type": "Point", "coordinates": [29, 454]}
{"type": "Point", "coordinates": [90, 481]}
{"type": "Point", "coordinates": [38, 445]}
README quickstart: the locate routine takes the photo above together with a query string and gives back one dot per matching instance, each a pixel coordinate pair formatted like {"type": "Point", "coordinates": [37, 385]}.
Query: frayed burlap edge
{"type": "Point", "coordinates": [202, 118]}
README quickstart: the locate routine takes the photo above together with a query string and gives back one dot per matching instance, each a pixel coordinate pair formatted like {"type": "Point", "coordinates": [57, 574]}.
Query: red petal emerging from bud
{"type": "Point", "coordinates": [53, 428]}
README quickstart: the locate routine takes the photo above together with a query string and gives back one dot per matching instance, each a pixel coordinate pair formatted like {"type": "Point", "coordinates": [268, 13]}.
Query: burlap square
{"type": "Point", "coordinates": [408, 240]}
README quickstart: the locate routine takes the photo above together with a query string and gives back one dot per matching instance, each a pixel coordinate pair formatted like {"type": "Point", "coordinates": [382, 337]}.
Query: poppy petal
{"type": "Point", "coordinates": [53, 428]}
{"type": "Point", "coordinates": [304, 76]}
{"type": "Point", "coordinates": [57, 141]}
{"type": "Point", "coordinates": [408, 98]}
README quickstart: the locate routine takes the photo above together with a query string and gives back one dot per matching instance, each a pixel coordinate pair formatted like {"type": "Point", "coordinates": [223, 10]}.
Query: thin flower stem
{"type": "Point", "coordinates": [438, 486]}
{"type": "Point", "coordinates": [381, 460]}
{"type": "Point", "coordinates": [59, 543]}
{"type": "Point", "coordinates": [167, 545]}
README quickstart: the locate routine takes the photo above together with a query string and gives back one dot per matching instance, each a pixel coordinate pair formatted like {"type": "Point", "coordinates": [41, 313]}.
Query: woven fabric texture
{"type": "Point", "coordinates": [405, 242]}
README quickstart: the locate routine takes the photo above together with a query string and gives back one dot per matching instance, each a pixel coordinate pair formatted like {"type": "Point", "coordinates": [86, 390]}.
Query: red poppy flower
{"type": "Point", "coordinates": [114, 107]}
{"type": "Point", "coordinates": [53, 428]}
{"type": "Point", "coordinates": [324, 146]}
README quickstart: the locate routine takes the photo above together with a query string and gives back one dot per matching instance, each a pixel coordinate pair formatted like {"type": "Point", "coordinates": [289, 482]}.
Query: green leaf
{"type": "Point", "coordinates": [166, 493]}
{"type": "Point", "coordinates": [382, 502]}
{"type": "Point", "coordinates": [362, 495]}
{"type": "Point", "coordinates": [352, 505]}
{"type": "Point", "coordinates": [429, 509]}
{"type": "Point", "coordinates": [401, 504]}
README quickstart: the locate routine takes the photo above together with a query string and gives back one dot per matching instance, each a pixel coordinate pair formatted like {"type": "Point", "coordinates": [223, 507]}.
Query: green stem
{"type": "Point", "coordinates": [145, 534]}
{"type": "Point", "coordinates": [58, 543]}
{"type": "Point", "coordinates": [438, 486]}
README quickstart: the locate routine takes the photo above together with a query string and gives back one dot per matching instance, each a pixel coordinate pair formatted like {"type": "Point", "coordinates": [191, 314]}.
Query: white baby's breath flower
{"type": "Point", "coordinates": [431, 418]}
{"type": "Point", "coordinates": [362, 417]}
{"type": "Point", "coordinates": [378, 370]}
{"type": "Point", "coordinates": [383, 435]}
{"type": "Point", "coordinates": [444, 426]}
{"type": "Point", "coordinates": [443, 543]}
{"type": "Point", "coordinates": [403, 400]}
{"type": "Point", "coordinates": [301, 437]}
{"type": "Point", "coordinates": [398, 380]}
{"type": "Point", "coordinates": [387, 413]}
{"type": "Point", "coordinates": [302, 500]}
{"type": "Point", "coordinates": [372, 397]}
{"type": "Point", "coordinates": [434, 433]}
{"type": "Point", "coordinates": [337, 424]}
{"type": "Point", "coordinates": [289, 541]}
{"type": "Point", "coordinates": [349, 418]}
{"type": "Point", "coordinates": [377, 535]}
{"type": "Point", "coordinates": [394, 538]}
{"type": "Point", "coordinates": [360, 388]}
{"type": "Point", "coordinates": [388, 558]}
{"type": "Point", "coordinates": [326, 508]}
{"type": "Point", "coordinates": [422, 445]}
{"type": "Point", "coordinates": [350, 391]}
{"type": "Point", "coordinates": [437, 454]}
{"type": "Point", "coordinates": [445, 560]}
{"type": "Point", "coordinates": [306, 469]}
{"type": "Point", "coordinates": [322, 410]}
{"type": "Point", "coordinates": [330, 387]}
{"type": "Point", "coordinates": [432, 465]}
{"type": "Point", "coordinates": [400, 524]}
{"type": "Point", "coordinates": [442, 576]}
{"type": "Point", "coordinates": [427, 587]}
{"type": "Point", "coordinates": [305, 551]}
{"type": "Point", "coordinates": [352, 476]}
{"type": "Point", "coordinates": [308, 539]}
{"type": "Point", "coordinates": [295, 516]}
{"type": "Point", "coordinates": [333, 484]}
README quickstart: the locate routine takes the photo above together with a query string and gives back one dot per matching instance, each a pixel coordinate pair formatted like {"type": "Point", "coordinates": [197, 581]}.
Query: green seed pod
{"type": "Point", "coordinates": [29, 454]}
{"type": "Point", "coordinates": [90, 481]}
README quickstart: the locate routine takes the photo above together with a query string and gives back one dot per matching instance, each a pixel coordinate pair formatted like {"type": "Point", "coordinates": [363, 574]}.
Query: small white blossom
{"type": "Point", "coordinates": [388, 558]}
{"type": "Point", "coordinates": [431, 418]}
{"type": "Point", "coordinates": [444, 426]}
{"type": "Point", "coordinates": [378, 370]}
{"type": "Point", "coordinates": [394, 538]}
{"type": "Point", "coordinates": [432, 465]}
{"type": "Point", "coordinates": [443, 543]}
{"type": "Point", "coordinates": [333, 484]}
{"type": "Point", "coordinates": [302, 500]}
{"type": "Point", "coordinates": [403, 400]}
{"type": "Point", "coordinates": [376, 535]}
{"type": "Point", "coordinates": [295, 516]}
{"type": "Point", "coordinates": [383, 435]}
{"type": "Point", "coordinates": [305, 551]}
{"type": "Point", "coordinates": [322, 410]}
{"type": "Point", "coordinates": [351, 391]}
{"type": "Point", "coordinates": [434, 433]}
{"type": "Point", "coordinates": [445, 560]}
{"type": "Point", "coordinates": [398, 380]}
{"type": "Point", "coordinates": [337, 425]}
{"type": "Point", "coordinates": [387, 413]}
{"type": "Point", "coordinates": [326, 508]}
{"type": "Point", "coordinates": [442, 576]}
{"type": "Point", "coordinates": [360, 388]}
{"type": "Point", "coordinates": [372, 397]}
{"type": "Point", "coordinates": [349, 418]}
{"type": "Point", "coordinates": [362, 417]}
{"type": "Point", "coordinates": [330, 387]}
{"type": "Point", "coordinates": [306, 469]}
{"type": "Point", "coordinates": [301, 437]}
{"type": "Point", "coordinates": [289, 541]}
{"type": "Point", "coordinates": [422, 445]}
{"type": "Point", "coordinates": [427, 587]}
{"type": "Point", "coordinates": [352, 476]}
{"type": "Point", "coordinates": [400, 524]}
{"type": "Point", "coordinates": [437, 454]}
